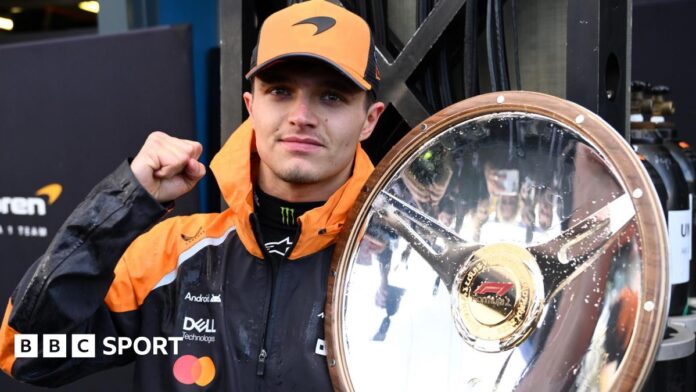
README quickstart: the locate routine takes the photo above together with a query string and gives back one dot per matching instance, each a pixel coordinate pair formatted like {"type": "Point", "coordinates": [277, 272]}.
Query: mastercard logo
{"type": "Point", "coordinates": [191, 370]}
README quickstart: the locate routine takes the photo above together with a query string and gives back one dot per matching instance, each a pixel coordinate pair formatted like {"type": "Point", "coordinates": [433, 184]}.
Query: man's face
{"type": "Point", "coordinates": [308, 120]}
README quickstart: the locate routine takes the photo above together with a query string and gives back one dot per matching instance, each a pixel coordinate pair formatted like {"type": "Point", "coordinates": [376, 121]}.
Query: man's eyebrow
{"type": "Point", "coordinates": [341, 85]}
{"type": "Point", "coordinates": [274, 79]}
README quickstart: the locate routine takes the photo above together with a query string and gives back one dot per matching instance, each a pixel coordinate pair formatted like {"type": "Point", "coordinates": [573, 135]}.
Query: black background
{"type": "Point", "coordinates": [71, 110]}
{"type": "Point", "coordinates": [664, 52]}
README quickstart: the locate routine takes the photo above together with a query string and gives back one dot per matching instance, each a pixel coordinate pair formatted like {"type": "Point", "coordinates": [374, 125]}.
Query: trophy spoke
{"type": "Point", "coordinates": [441, 247]}
{"type": "Point", "coordinates": [564, 257]}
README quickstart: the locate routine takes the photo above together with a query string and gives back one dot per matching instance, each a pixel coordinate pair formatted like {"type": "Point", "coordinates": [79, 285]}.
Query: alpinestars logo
{"type": "Point", "coordinates": [281, 247]}
{"type": "Point", "coordinates": [287, 215]}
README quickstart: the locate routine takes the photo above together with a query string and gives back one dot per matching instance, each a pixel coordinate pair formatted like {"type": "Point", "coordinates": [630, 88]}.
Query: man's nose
{"type": "Point", "coordinates": [301, 114]}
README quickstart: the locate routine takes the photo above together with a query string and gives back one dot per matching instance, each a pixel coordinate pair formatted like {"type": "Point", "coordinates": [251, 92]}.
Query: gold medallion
{"type": "Point", "coordinates": [498, 296]}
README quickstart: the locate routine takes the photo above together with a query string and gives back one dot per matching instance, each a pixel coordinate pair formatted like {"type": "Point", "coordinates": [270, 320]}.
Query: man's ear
{"type": "Point", "coordinates": [373, 113]}
{"type": "Point", "coordinates": [248, 100]}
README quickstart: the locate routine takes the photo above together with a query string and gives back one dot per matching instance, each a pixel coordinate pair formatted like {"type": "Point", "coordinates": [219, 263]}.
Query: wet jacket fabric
{"type": "Point", "coordinates": [203, 278]}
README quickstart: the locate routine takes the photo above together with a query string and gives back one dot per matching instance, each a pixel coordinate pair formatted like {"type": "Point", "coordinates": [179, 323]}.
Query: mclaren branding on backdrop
{"type": "Point", "coordinates": [36, 207]}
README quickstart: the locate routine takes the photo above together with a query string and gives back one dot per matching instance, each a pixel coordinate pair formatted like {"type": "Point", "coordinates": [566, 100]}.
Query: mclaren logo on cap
{"type": "Point", "coordinates": [322, 23]}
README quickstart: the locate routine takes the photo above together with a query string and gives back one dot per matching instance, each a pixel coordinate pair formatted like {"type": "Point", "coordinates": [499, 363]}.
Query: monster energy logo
{"type": "Point", "coordinates": [288, 215]}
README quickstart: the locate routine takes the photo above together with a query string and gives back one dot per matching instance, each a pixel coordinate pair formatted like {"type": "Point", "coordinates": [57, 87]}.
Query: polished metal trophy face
{"type": "Point", "coordinates": [510, 242]}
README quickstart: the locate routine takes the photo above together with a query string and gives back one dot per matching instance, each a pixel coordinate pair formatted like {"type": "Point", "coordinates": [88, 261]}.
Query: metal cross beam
{"type": "Point", "coordinates": [393, 88]}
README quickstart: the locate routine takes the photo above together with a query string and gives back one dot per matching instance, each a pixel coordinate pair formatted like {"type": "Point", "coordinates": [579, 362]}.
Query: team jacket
{"type": "Point", "coordinates": [201, 277]}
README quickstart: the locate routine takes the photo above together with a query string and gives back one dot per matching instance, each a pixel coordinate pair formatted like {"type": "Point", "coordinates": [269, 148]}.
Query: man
{"type": "Point", "coordinates": [244, 288]}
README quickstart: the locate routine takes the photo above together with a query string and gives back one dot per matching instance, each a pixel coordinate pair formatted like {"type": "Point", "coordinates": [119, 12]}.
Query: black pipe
{"type": "Point", "coordinates": [422, 11]}
{"type": "Point", "coordinates": [379, 24]}
{"type": "Point", "coordinates": [503, 76]}
{"type": "Point", "coordinates": [515, 35]}
{"type": "Point", "coordinates": [443, 72]}
{"type": "Point", "coordinates": [362, 8]}
{"type": "Point", "coordinates": [471, 81]}
{"type": "Point", "coordinates": [492, 69]}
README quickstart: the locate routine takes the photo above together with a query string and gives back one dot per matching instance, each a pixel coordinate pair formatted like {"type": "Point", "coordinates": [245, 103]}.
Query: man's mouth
{"type": "Point", "coordinates": [301, 143]}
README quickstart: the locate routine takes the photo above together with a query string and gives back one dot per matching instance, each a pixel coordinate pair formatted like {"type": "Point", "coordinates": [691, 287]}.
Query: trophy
{"type": "Point", "coordinates": [512, 241]}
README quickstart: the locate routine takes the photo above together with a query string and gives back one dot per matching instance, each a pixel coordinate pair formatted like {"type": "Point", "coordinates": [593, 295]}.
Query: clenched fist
{"type": "Point", "coordinates": [168, 167]}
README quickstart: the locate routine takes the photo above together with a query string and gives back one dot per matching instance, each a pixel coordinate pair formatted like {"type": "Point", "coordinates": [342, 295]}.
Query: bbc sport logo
{"type": "Point", "coordinates": [84, 345]}
{"type": "Point", "coordinates": [187, 369]}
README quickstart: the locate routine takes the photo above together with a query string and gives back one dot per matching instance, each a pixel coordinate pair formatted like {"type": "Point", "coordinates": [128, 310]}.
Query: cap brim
{"type": "Point", "coordinates": [359, 81]}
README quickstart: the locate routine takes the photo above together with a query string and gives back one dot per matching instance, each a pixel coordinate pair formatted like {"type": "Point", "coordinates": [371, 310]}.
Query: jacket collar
{"type": "Point", "coordinates": [234, 167]}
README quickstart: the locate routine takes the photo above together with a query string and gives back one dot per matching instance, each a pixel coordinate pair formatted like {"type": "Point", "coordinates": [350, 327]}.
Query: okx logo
{"type": "Point", "coordinates": [191, 370]}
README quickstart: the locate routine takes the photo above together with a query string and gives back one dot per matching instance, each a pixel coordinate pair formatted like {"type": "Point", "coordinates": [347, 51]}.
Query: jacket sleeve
{"type": "Point", "coordinates": [64, 291]}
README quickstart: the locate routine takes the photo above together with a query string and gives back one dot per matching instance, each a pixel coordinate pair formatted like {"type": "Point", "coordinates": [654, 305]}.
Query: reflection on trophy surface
{"type": "Point", "coordinates": [501, 238]}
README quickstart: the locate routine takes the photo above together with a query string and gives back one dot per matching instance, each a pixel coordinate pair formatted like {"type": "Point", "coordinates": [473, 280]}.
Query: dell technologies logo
{"type": "Point", "coordinates": [201, 325]}
{"type": "Point", "coordinates": [199, 330]}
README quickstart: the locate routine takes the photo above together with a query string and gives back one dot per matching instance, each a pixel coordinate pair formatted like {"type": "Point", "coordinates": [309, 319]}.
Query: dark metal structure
{"type": "Point", "coordinates": [599, 58]}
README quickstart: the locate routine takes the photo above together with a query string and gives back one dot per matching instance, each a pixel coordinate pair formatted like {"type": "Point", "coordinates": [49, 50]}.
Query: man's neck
{"type": "Point", "coordinates": [278, 213]}
{"type": "Point", "coordinates": [298, 193]}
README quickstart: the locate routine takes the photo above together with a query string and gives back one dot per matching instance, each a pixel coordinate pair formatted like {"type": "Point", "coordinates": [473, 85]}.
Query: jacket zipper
{"type": "Point", "coordinates": [274, 271]}
{"type": "Point", "coordinates": [263, 353]}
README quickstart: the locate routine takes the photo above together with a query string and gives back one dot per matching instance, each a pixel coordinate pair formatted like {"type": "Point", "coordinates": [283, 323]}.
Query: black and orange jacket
{"type": "Point", "coordinates": [201, 277]}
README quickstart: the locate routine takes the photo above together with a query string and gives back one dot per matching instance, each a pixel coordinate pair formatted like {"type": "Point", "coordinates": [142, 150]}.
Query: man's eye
{"type": "Point", "coordinates": [332, 97]}
{"type": "Point", "coordinates": [279, 91]}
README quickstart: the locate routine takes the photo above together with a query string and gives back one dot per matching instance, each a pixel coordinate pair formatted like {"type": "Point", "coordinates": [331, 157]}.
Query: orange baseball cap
{"type": "Point", "coordinates": [322, 30]}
